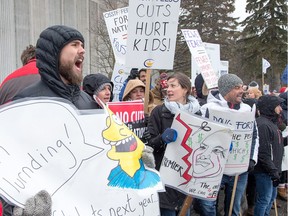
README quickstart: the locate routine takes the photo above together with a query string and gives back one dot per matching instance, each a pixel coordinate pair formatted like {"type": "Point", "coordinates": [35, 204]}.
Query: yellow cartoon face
{"type": "Point", "coordinates": [125, 145]}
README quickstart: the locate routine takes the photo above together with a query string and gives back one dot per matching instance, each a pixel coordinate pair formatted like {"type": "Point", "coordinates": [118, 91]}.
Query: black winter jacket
{"type": "Point", "coordinates": [160, 119]}
{"type": "Point", "coordinates": [48, 50]}
{"type": "Point", "coordinates": [271, 147]}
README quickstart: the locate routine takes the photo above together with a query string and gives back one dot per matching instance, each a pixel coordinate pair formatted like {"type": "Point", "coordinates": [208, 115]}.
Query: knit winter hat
{"type": "Point", "coordinates": [130, 86]}
{"type": "Point", "coordinates": [227, 82]}
{"type": "Point", "coordinates": [51, 42]}
{"type": "Point", "coordinates": [94, 83]}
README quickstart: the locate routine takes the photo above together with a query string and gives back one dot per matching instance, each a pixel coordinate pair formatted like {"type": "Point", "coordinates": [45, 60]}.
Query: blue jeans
{"type": "Point", "coordinates": [265, 194]}
{"type": "Point", "coordinates": [170, 212]}
{"type": "Point", "coordinates": [209, 208]}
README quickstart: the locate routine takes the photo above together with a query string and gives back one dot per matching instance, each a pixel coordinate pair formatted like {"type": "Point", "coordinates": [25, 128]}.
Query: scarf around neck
{"type": "Point", "coordinates": [191, 106]}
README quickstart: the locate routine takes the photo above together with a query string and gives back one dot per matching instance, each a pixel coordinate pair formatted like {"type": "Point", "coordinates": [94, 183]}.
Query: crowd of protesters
{"type": "Point", "coordinates": [54, 69]}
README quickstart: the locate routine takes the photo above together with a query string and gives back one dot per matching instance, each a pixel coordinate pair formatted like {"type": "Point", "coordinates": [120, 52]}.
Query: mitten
{"type": "Point", "coordinates": [148, 157]}
{"type": "Point", "coordinates": [169, 135]}
{"type": "Point", "coordinates": [39, 205]}
{"type": "Point", "coordinates": [251, 165]}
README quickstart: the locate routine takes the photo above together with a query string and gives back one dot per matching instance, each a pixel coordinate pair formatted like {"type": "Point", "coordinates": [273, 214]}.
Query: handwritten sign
{"type": "Point", "coordinates": [80, 158]}
{"type": "Point", "coordinates": [131, 113]}
{"type": "Point", "coordinates": [242, 122]}
{"type": "Point", "coordinates": [119, 75]}
{"type": "Point", "coordinates": [152, 33]}
{"type": "Point", "coordinates": [201, 57]}
{"type": "Point", "coordinates": [117, 25]}
{"type": "Point", "coordinates": [195, 162]}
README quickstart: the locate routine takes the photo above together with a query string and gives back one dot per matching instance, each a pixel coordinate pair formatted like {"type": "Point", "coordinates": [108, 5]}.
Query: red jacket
{"type": "Point", "coordinates": [18, 80]}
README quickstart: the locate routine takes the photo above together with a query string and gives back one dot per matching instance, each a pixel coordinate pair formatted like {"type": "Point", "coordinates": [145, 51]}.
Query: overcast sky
{"type": "Point", "coordinates": [240, 9]}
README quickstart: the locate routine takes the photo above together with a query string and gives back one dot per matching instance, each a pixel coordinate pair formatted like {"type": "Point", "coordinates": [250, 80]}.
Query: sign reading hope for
{"type": "Point", "coordinates": [50, 145]}
{"type": "Point", "coordinates": [152, 33]}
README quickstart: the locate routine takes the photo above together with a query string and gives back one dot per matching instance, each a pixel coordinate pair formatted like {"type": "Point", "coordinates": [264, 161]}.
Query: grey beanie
{"type": "Point", "coordinates": [227, 82]}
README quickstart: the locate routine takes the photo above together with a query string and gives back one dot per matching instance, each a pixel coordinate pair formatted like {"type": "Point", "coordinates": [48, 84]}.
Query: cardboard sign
{"type": "Point", "coordinates": [242, 123]}
{"type": "Point", "coordinates": [200, 55]}
{"type": "Point", "coordinates": [195, 162]}
{"type": "Point", "coordinates": [152, 33]}
{"type": "Point", "coordinates": [131, 113]}
{"type": "Point", "coordinates": [117, 25]}
{"type": "Point", "coordinates": [89, 162]}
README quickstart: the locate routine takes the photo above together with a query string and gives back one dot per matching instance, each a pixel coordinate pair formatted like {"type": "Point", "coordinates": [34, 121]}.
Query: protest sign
{"type": "Point", "coordinates": [131, 113]}
{"type": "Point", "coordinates": [199, 53]}
{"type": "Point", "coordinates": [119, 75]}
{"type": "Point", "coordinates": [195, 162]}
{"type": "Point", "coordinates": [89, 161]}
{"type": "Point", "coordinates": [242, 123]}
{"type": "Point", "coordinates": [213, 52]}
{"type": "Point", "coordinates": [152, 30]}
{"type": "Point", "coordinates": [117, 25]}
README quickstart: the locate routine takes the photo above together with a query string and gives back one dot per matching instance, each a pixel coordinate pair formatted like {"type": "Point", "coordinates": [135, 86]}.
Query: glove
{"type": "Point", "coordinates": [251, 165]}
{"type": "Point", "coordinates": [275, 182]}
{"type": "Point", "coordinates": [169, 135]}
{"type": "Point", "coordinates": [146, 119]}
{"type": "Point", "coordinates": [146, 136]}
{"type": "Point", "coordinates": [275, 177]}
{"type": "Point", "coordinates": [39, 205]}
{"type": "Point", "coordinates": [148, 157]}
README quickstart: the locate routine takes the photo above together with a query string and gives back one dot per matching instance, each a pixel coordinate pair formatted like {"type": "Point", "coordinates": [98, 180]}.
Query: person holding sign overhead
{"type": "Point", "coordinates": [160, 121]}
{"type": "Point", "coordinates": [229, 96]}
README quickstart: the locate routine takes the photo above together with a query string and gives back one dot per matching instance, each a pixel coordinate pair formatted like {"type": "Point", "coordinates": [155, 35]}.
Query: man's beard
{"type": "Point", "coordinates": [66, 71]}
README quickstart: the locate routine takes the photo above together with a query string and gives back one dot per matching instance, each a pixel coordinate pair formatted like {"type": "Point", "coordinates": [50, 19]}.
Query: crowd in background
{"type": "Point", "coordinates": [54, 69]}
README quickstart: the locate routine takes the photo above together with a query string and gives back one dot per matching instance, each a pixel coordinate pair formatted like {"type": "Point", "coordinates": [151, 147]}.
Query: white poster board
{"type": "Point", "coordinates": [213, 52]}
{"type": "Point", "coordinates": [195, 162]}
{"type": "Point", "coordinates": [200, 55]}
{"type": "Point", "coordinates": [224, 68]}
{"type": "Point", "coordinates": [81, 159]}
{"type": "Point", "coordinates": [119, 75]}
{"type": "Point", "coordinates": [117, 25]}
{"type": "Point", "coordinates": [242, 123]}
{"type": "Point", "coordinates": [152, 30]}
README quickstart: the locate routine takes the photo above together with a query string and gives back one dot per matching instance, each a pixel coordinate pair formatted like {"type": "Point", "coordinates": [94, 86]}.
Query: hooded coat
{"type": "Point", "coordinates": [271, 146]}
{"type": "Point", "coordinates": [93, 82]}
{"type": "Point", "coordinates": [48, 49]}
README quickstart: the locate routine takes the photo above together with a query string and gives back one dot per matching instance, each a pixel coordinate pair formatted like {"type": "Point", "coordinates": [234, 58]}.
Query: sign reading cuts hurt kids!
{"type": "Point", "coordinates": [152, 29]}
